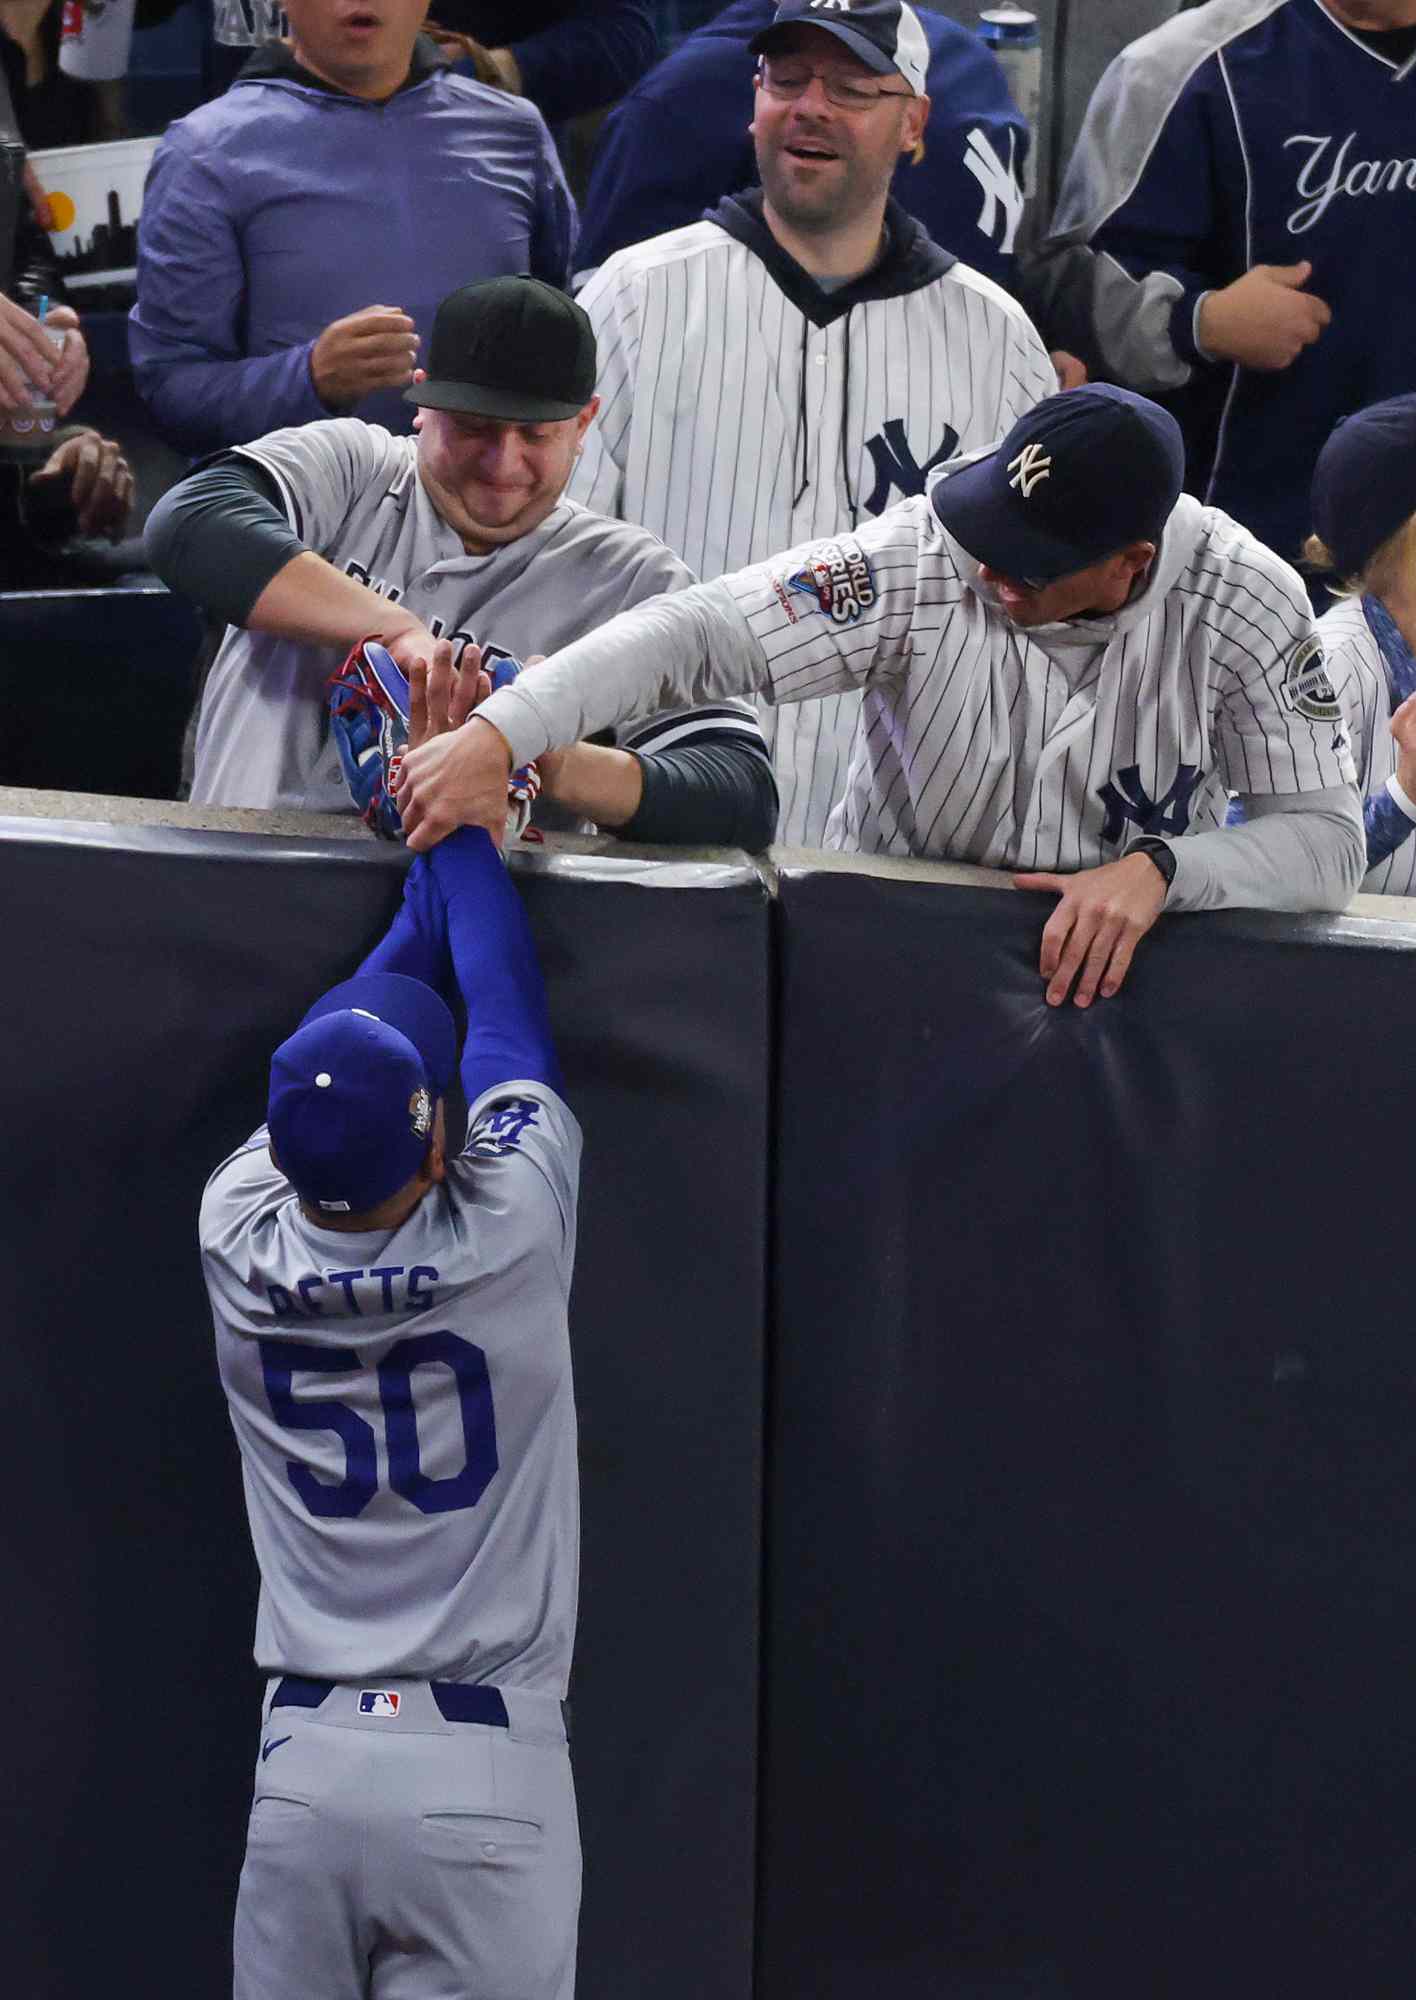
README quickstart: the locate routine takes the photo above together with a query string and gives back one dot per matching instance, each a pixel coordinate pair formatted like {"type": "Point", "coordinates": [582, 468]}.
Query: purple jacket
{"type": "Point", "coordinates": [286, 204]}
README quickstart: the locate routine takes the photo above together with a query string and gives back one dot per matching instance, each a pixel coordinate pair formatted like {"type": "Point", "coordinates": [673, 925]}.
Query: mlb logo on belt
{"type": "Point", "coordinates": [379, 1701]}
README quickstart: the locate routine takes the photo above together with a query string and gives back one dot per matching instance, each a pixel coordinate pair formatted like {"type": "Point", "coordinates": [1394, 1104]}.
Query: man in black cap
{"type": "Point", "coordinates": [310, 540]}
{"type": "Point", "coordinates": [1066, 662]}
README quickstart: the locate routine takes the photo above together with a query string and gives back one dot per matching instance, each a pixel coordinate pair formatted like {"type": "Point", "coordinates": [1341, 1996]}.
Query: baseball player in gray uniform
{"type": "Point", "coordinates": [1063, 659]}
{"type": "Point", "coordinates": [309, 540]}
{"type": "Point", "coordinates": [391, 1335]}
{"type": "Point", "coordinates": [802, 357]}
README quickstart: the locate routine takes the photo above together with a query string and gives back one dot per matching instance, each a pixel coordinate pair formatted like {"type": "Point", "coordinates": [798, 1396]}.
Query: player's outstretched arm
{"type": "Point", "coordinates": [415, 943]}
{"type": "Point", "coordinates": [495, 967]}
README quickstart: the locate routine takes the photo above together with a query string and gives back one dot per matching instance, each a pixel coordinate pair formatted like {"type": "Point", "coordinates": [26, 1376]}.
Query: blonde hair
{"type": "Point", "coordinates": [1377, 574]}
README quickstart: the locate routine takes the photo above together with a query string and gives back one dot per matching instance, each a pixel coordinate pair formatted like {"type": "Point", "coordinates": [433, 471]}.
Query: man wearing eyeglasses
{"type": "Point", "coordinates": [805, 354]}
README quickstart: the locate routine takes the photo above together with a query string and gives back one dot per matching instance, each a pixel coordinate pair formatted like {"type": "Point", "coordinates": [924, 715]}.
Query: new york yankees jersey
{"type": "Point", "coordinates": [351, 492]}
{"type": "Point", "coordinates": [1050, 748]}
{"type": "Point", "coordinates": [1241, 132]}
{"type": "Point", "coordinates": [1371, 688]}
{"type": "Point", "coordinates": [404, 1410]}
{"type": "Point", "coordinates": [744, 409]}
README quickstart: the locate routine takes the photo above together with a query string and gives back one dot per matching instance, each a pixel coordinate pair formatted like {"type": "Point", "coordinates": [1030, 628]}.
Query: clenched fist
{"type": "Point", "coordinates": [375, 348]}
{"type": "Point", "coordinates": [1264, 319]}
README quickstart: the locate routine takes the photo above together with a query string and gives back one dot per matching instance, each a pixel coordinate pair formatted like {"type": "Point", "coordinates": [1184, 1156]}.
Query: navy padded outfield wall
{"type": "Point", "coordinates": [1090, 1527]}
{"type": "Point", "coordinates": [150, 974]}
{"type": "Point", "coordinates": [1091, 1580]}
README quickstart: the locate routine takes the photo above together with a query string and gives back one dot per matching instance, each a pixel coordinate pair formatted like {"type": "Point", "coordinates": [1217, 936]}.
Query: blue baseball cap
{"type": "Point", "coordinates": [885, 34]}
{"type": "Point", "coordinates": [353, 1090]}
{"type": "Point", "coordinates": [1081, 475]}
{"type": "Point", "coordinates": [1364, 483]}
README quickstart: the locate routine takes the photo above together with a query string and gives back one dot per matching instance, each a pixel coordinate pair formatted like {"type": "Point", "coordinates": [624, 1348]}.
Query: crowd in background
{"type": "Point", "coordinates": [1200, 253]}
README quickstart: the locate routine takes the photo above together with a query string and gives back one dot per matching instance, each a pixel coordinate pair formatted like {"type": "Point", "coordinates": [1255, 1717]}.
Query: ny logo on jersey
{"type": "Point", "coordinates": [1131, 802]}
{"type": "Point", "coordinates": [1030, 468]}
{"type": "Point", "coordinates": [1002, 196]}
{"type": "Point", "coordinates": [895, 465]}
{"type": "Point", "coordinates": [501, 1129]}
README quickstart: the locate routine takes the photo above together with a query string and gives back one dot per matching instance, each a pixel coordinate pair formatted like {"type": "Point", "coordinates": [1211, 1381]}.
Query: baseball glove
{"type": "Point", "coordinates": [368, 701]}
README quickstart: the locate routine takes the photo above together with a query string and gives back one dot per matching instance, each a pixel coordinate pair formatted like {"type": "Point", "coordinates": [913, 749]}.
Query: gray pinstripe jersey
{"type": "Point", "coordinates": [351, 493]}
{"type": "Point", "coordinates": [704, 362]}
{"type": "Point", "coordinates": [1359, 677]}
{"type": "Point", "coordinates": [404, 1409]}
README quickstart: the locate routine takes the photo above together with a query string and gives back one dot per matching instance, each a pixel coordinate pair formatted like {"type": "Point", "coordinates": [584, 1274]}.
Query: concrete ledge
{"type": "Point", "coordinates": [81, 807]}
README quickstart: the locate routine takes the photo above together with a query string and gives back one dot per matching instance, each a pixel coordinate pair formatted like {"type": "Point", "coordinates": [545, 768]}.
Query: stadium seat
{"type": "Point", "coordinates": [97, 686]}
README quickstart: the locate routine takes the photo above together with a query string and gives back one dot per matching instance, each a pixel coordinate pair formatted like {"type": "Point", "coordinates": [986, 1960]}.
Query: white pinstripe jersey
{"type": "Point", "coordinates": [1363, 686]}
{"type": "Point", "coordinates": [704, 364]}
{"type": "Point", "coordinates": [1051, 748]}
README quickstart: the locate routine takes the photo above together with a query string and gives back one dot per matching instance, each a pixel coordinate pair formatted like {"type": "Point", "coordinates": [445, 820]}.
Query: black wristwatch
{"type": "Point", "coordinates": [1157, 850]}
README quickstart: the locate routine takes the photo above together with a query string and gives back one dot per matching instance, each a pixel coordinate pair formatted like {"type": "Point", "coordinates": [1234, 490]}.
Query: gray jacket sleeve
{"type": "Point", "coordinates": [1136, 240]}
{"type": "Point", "coordinates": [1296, 851]}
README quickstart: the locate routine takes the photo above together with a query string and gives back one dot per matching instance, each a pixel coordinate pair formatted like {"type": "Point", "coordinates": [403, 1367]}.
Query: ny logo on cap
{"type": "Point", "coordinates": [831, 6]}
{"type": "Point", "coordinates": [1030, 468]}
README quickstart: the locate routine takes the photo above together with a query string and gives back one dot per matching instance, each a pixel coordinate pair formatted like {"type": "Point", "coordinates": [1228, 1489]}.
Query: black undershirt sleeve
{"type": "Point", "coordinates": [716, 794]}
{"type": "Point", "coordinates": [221, 535]}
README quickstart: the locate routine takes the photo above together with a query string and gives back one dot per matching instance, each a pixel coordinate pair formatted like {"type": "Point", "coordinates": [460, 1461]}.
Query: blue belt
{"type": "Point", "coordinates": [456, 1701]}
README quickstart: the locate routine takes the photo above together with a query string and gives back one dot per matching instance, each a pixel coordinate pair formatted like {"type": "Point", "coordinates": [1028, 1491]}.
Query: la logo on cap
{"type": "Point", "coordinates": [1031, 466]}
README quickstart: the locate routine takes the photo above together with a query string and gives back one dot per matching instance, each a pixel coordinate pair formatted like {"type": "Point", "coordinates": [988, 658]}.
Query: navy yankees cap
{"type": "Point", "coordinates": [353, 1090]}
{"type": "Point", "coordinates": [1364, 483]}
{"type": "Point", "coordinates": [513, 348]}
{"type": "Point", "coordinates": [1081, 475]}
{"type": "Point", "coordinates": [885, 34]}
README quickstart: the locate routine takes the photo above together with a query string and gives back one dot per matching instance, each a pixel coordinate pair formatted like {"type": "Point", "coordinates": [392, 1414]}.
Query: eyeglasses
{"type": "Point", "coordinates": [791, 80]}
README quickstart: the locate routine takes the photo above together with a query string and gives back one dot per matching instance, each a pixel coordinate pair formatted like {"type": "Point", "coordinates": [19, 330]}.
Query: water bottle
{"type": "Point", "coordinates": [1014, 37]}
{"type": "Point", "coordinates": [26, 428]}
{"type": "Point", "coordinates": [95, 37]}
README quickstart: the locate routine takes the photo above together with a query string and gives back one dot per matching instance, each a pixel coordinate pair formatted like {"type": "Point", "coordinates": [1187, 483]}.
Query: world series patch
{"type": "Point", "coordinates": [1307, 688]}
{"type": "Point", "coordinates": [838, 576]}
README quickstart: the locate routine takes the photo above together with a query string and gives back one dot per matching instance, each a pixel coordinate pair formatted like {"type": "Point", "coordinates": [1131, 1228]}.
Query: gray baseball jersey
{"type": "Point", "coordinates": [351, 493]}
{"type": "Point", "coordinates": [404, 1410]}
{"type": "Point", "coordinates": [714, 383]}
{"type": "Point", "coordinates": [1048, 748]}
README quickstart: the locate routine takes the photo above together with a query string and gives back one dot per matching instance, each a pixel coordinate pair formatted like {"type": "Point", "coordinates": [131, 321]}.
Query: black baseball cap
{"type": "Point", "coordinates": [1081, 475]}
{"type": "Point", "coordinates": [1364, 483]}
{"type": "Point", "coordinates": [514, 348]}
{"type": "Point", "coordinates": [885, 34]}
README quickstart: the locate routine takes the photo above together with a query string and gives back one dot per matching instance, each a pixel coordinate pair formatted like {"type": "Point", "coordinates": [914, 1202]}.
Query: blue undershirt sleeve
{"type": "Point", "coordinates": [415, 943]}
{"type": "Point", "coordinates": [495, 967]}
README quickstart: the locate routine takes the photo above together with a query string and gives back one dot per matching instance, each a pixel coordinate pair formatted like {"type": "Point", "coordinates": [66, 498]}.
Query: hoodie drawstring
{"type": "Point", "coordinates": [801, 452]}
{"type": "Point", "coordinates": [803, 467]}
{"type": "Point", "coordinates": [845, 419]}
